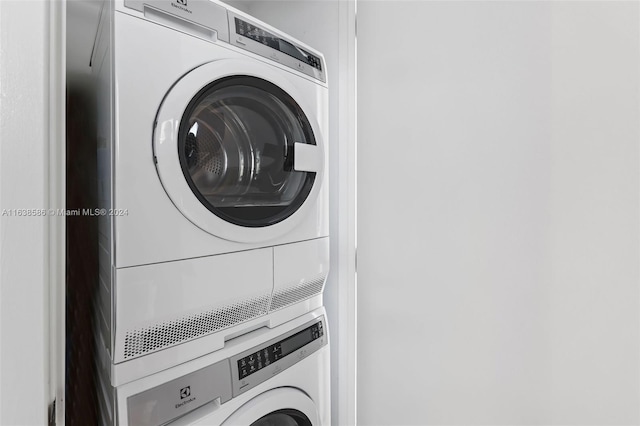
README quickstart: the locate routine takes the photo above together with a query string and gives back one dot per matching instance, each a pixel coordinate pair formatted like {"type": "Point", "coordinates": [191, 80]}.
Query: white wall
{"type": "Point", "coordinates": [31, 159]}
{"type": "Point", "coordinates": [329, 26]}
{"type": "Point", "coordinates": [498, 208]}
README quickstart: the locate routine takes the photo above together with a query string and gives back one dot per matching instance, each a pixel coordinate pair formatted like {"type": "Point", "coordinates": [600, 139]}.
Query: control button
{"type": "Point", "coordinates": [239, 40]}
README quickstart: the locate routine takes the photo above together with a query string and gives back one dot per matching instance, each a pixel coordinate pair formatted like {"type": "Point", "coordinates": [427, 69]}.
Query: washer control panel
{"type": "Point", "coordinates": [252, 367]}
{"type": "Point", "coordinates": [227, 378]}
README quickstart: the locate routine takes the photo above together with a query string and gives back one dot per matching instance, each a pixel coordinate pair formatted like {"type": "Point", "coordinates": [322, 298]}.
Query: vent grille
{"type": "Point", "coordinates": [169, 333]}
{"type": "Point", "coordinates": [290, 295]}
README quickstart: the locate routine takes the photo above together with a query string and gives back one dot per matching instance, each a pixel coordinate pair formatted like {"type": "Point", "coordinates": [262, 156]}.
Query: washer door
{"type": "Point", "coordinates": [278, 407]}
{"type": "Point", "coordinates": [283, 418]}
{"type": "Point", "coordinates": [237, 151]}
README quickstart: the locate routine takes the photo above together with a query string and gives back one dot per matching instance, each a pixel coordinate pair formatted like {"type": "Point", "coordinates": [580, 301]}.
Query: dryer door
{"type": "Point", "coordinates": [238, 151]}
{"type": "Point", "coordinates": [277, 407]}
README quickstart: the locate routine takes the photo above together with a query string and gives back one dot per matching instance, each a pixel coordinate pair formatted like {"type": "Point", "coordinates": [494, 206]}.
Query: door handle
{"type": "Point", "coordinates": [306, 157]}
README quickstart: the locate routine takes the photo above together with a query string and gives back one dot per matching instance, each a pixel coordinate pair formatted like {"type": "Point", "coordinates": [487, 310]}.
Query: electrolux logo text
{"type": "Point", "coordinates": [181, 5]}
{"type": "Point", "coordinates": [185, 393]}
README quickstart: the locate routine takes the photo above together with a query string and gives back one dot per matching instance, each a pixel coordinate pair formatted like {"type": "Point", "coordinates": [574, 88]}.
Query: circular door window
{"type": "Point", "coordinates": [268, 409]}
{"type": "Point", "coordinates": [288, 417]}
{"type": "Point", "coordinates": [236, 148]}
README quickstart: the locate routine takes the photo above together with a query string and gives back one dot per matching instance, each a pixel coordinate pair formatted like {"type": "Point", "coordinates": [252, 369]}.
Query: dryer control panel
{"type": "Point", "coordinates": [250, 36]}
{"type": "Point", "coordinates": [250, 31]}
{"type": "Point", "coordinates": [211, 21]}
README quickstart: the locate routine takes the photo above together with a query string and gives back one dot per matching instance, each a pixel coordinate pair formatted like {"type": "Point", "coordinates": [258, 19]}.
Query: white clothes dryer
{"type": "Point", "coordinates": [212, 177]}
{"type": "Point", "coordinates": [268, 377]}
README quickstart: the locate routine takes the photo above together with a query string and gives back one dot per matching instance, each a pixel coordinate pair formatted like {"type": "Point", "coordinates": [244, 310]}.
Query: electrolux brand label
{"type": "Point", "coordinates": [185, 392]}
{"type": "Point", "coordinates": [182, 5]}
{"type": "Point", "coordinates": [188, 401]}
{"type": "Point", "coordinates": [165, 402]}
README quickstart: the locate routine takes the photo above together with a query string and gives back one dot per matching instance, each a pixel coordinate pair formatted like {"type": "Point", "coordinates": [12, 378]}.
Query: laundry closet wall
{"type": "Point", "coordinates": [329, 26]}
{"type": "Point", "coordinates": [32, 147]}
{"type": "Point", "coordinates": [498, 209]}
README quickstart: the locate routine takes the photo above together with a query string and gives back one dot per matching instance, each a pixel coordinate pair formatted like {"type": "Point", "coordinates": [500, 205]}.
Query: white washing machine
{"type": "Point", "coordinates": [212, 177]}
{"type": "Point", "coordinates": [268, 377]}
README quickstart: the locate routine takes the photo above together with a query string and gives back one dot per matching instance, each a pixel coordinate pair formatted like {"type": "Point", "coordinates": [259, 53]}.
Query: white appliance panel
{"type": "Point", "coordinates": [170, 303]}
{"type": "Point", "coordinates": [299, 269]}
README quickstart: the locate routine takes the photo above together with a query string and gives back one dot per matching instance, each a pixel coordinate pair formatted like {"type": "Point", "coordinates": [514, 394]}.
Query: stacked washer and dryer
{"type": "Point", "coordinates": [214, 249]}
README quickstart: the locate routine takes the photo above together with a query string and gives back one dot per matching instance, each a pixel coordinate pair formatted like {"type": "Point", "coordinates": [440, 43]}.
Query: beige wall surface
{"type": "Point", "coordinates": [498, 209]}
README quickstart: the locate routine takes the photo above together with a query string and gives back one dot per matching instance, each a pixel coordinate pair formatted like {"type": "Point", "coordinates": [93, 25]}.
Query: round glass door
{"type": "Point", "coordinates": [236, 149]}
{"type": "Point", "coordinates": [287, 417]}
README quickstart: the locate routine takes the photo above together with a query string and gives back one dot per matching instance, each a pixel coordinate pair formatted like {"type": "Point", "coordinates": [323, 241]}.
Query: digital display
{"type": "Point", "coordinates": [272, 353]}
{"type": "Point", "coordinates": [259, 35]}
{"type": "Point", "coordinates": [296, 341]}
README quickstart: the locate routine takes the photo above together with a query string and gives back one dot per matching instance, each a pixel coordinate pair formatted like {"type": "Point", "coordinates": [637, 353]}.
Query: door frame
{"type": "Point", "coordinates": [32, 254]}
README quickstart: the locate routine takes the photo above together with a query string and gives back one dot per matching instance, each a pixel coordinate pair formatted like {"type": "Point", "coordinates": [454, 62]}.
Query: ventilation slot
{"type": "Point", "coordinates": [169, 333]}
{"type": "Point", "coordinates": [289, 296]}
